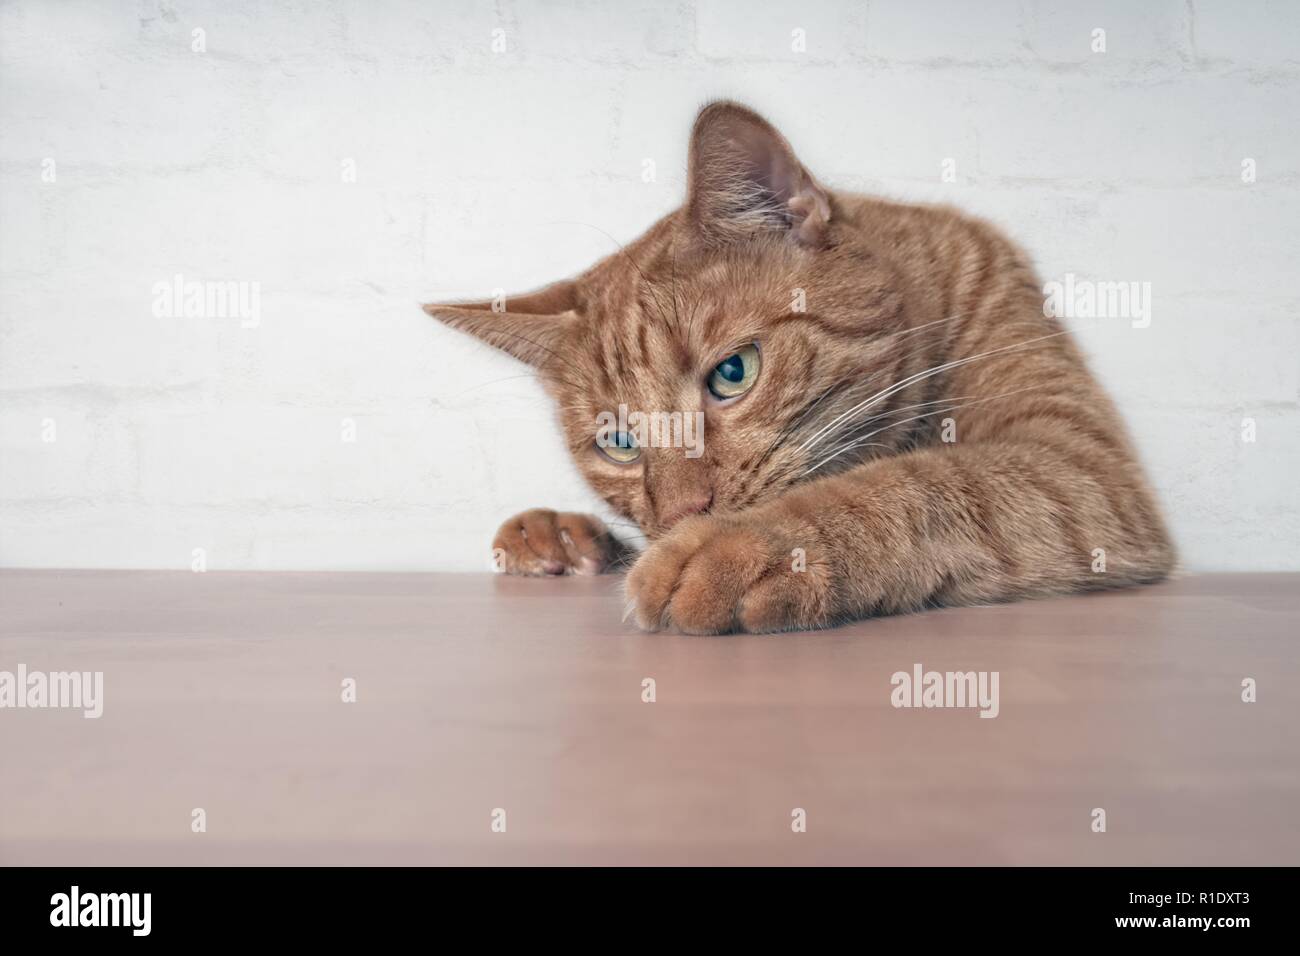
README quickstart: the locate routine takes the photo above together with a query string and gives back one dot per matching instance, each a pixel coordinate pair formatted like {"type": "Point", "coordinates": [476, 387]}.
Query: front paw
{"type": "Point", "coordinates": [711, 575]}
{"type": "Point", "coordinates": [542, 542]}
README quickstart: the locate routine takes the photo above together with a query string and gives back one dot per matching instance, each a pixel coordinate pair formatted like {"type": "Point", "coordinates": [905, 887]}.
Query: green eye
{"type": "Point", "coordinates": [619, 446]}
{"type": "Point", "coordinates": [735, 374]}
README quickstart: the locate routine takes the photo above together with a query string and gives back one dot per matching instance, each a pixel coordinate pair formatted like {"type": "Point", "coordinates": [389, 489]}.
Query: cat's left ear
{"type": "Point", "coordinates": [530, 327]}
{"type": "Point", "coordinates": [745, 179]}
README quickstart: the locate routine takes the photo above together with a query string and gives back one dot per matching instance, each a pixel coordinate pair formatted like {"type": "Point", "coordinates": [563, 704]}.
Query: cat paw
{"type": "Point", "coordinates": [711, 575]}
{"type": "Point", "coordinates": [541, 542]}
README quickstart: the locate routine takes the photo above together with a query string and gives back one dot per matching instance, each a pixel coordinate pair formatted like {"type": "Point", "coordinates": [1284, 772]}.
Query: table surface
{"type": "Point", "coordinates": [223, 692]}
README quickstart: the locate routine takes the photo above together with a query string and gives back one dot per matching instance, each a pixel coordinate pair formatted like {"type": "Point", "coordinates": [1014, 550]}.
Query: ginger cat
{"type": "Point", "coordinates": [890, 421]}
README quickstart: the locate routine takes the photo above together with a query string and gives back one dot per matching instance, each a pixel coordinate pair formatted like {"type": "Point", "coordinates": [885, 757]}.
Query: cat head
{"type": "Point", "coordinates": [724, 355]}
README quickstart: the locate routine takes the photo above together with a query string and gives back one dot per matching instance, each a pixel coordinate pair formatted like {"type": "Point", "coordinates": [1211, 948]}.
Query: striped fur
{"type": "Point", "coordinates": [832, 492]}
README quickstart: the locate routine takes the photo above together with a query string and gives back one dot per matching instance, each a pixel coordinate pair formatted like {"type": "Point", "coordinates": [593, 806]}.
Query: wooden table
{"type": "Point", "coordinates": [223, 692]}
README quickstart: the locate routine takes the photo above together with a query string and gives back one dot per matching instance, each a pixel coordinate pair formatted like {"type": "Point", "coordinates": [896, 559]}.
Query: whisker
{"type": "Point", "coordinates": [495, 381]}
{"type": "Point", "coordinates": [794, 425]}
{"type": "Point", "coordinates": [940, 411]}
{"type": "Point", "coordinates": [851, 447]}
{"type": "Point", "coordinates": [919, 376]}
{"type": "Point", "coordinates": [926, 325]}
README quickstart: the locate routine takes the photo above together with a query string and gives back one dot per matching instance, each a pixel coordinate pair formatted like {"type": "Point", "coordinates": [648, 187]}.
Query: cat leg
{"type": "Point", "coordinates": [541, 542]}
{"type": "Point", "coordinates": [937, 526]}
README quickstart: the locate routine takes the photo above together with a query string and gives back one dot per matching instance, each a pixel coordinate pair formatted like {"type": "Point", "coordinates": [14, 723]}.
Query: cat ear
{"type": "Point", "coordinates": [745, 179]}
{"type": "Point", "coordinates": [530, 327]}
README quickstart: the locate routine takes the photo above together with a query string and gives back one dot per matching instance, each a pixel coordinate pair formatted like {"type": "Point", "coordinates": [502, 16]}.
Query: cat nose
{"type": "Point", "coordinates": [693, 505]}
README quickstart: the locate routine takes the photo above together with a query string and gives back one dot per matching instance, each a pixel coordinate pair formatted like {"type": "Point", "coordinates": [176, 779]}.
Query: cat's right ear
{"type": "Point", "coordinates": [530, 327]}
{"type": "Point", "coordinates": [745, 179]}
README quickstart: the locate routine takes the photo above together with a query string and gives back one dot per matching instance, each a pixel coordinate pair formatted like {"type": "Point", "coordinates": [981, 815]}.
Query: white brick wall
{"type": "Point", "coordinates": [478, 170]}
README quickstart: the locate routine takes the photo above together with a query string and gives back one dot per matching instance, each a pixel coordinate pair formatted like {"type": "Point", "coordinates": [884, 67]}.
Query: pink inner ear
{"type": "Point", "coordinates": [743, 168]}
{"type": "Point", "coordinates": [781, 174]}
{"type": "Point", "coordinates": [773, 166]}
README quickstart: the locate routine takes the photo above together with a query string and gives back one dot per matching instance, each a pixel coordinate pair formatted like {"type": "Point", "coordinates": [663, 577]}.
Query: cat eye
{"type": "Point", "coordinates": [620, 447]}
{"type": "Point", "coordinates": [735, 374]}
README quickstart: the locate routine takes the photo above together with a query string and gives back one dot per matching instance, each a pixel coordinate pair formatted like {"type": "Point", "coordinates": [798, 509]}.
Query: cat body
{"type": "Point", "coordinates": [890, 421]}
